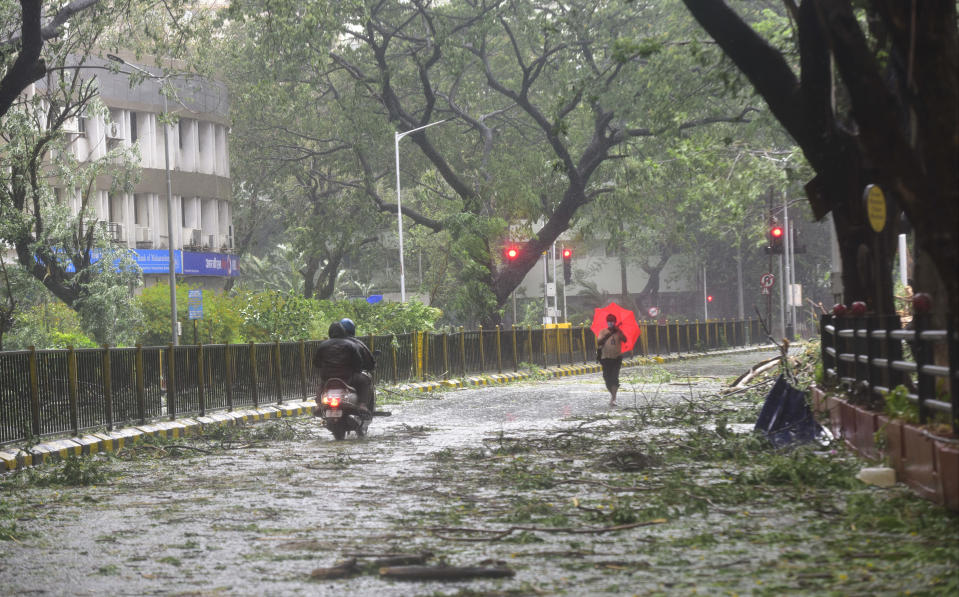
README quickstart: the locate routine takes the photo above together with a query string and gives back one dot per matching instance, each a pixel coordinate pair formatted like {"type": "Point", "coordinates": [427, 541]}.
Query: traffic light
{"type": "Point", "coordinates": [567, 265]}
{"type": "Point", "coordinates": [709, 298]}
{"type": "Point", "coordinates": [775, 245]}
{"type": "Point", "coordinates": [512, 253]}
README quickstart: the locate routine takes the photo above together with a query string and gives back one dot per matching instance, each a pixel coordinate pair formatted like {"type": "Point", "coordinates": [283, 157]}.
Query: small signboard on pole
{"type": "Point", "coordinates": [195, 304]}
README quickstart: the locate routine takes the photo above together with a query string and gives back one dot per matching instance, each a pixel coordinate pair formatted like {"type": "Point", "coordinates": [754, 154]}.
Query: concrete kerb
{"type": "Point", "coordinates": [12, 457]}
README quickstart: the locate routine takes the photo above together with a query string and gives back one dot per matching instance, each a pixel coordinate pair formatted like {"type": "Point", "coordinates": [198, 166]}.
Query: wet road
{"type": "Point", "coordinates": [257, 520]}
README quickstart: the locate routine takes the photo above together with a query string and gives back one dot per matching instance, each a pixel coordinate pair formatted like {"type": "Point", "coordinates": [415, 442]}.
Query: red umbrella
{"type": "Point", "coordinates": [625, 320]}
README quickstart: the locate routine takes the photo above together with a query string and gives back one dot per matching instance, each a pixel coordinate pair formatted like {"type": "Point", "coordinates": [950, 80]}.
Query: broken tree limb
{"type": "Point", "coordinates": [393, 559]}
{"type": "Point", "coordinates": [339, 570]}
{"type": "Point", "coordinates": [444, 572]}
{"type": "Point", "coordinates": [494, 535]}
{"type": "Point", "coordinates": [757, 369]}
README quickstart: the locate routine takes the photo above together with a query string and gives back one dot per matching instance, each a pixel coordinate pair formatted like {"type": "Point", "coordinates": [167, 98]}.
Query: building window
{"type": "Point", "coordinates": [133, 127]}
{"type": "Point", "coordinates": [180, 132]}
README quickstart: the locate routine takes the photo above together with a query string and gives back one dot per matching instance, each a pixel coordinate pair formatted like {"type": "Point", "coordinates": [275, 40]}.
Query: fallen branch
{"type": "Point", "coordinates": [394, 559]}
{"type": "Point", "coordinates": [496, 535]}
{"type": "Point", "coordinates": [444, 572]}
{"type": "Point", "coordinates": [607, 485]}
{"type": "Point", "coordinates": [340, 570]}
{"type": "Point", "coordinates": [757, 369]}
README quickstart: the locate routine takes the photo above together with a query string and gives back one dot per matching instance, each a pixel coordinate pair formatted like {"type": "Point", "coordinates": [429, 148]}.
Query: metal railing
{"type": "Point", "coordinates": [61, 392]}
{"type": "Point", "coordinates": [870, 353]}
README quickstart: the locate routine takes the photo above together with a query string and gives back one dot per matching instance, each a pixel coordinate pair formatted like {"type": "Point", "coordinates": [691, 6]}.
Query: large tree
{"type": "Point", "coordinates": [543, 96]}
{"type": "Point", "coordinates": [290, 160]}
{"type": "Point", "coordinates": [873, 99]}
{"type": "Point", "coordinates": [24, 33]}
{"type": "Point", "coordinates": [48, 46]}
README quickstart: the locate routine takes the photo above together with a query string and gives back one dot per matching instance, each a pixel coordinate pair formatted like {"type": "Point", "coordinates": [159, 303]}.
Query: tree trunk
{"type": "Point", "coordinates": [308, 272]}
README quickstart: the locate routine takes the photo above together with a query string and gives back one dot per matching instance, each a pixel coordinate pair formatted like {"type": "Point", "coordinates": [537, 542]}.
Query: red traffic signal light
{"type": "Point", "coordinates": [567, 254]}
{"type": "Point", "coordinates": [512, 252]}
{"type": "Point", "coordinates": [709, 298]}
{"type": "Point", "coordinates": [776, 237]}
{"type": "Point", "coordinates": [567, 265]}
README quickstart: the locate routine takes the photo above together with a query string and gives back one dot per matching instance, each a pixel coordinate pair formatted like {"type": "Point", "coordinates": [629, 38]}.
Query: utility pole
{"type": "Point", "coordinates": [789, 313]}
{"type": "Point", "coordinates": [769, 295]}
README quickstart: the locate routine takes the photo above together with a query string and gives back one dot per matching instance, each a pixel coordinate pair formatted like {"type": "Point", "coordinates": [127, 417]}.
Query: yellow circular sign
{"type": "Point", "coordinates": [875, 207]}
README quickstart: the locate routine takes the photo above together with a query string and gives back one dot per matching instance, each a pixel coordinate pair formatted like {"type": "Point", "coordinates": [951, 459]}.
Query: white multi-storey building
{"type": "Point", "coordinates": [199, 173]}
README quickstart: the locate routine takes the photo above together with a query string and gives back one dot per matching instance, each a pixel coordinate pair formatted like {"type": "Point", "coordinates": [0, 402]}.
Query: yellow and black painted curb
{"type": "Point", "coordinates": [13, 458]}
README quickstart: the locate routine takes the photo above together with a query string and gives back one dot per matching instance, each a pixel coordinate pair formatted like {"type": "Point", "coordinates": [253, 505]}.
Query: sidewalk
{"type": "Point", "coordinates": [12, 457]}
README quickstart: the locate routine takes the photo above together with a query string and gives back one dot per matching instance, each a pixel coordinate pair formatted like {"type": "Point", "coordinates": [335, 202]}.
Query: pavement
{"type": "Point", "coordinates": [18, 457]}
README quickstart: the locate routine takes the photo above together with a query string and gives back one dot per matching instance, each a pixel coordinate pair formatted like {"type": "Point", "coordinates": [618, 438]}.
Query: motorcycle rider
{"type": "Point", "coordinates": [369, 363]}
{"type": "Point", "coordinates": [340, 357]}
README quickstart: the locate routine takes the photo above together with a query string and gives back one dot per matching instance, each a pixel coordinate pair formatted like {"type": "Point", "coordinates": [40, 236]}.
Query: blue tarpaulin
{"type": "Point", "coordinates": [786, 417]}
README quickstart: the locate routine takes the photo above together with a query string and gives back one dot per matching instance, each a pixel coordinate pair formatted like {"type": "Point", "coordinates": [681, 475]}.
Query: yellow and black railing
{"type": "Point", "coordinates": [46, 393]}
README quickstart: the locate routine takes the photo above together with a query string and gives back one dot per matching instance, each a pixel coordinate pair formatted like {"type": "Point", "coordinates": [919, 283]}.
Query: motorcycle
{"type": "Point", "coordinates": [338, 404]}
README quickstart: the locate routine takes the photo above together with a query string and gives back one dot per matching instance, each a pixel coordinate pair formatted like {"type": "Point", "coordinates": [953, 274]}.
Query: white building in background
{"type": "Point", "coordinates": [199, 173]}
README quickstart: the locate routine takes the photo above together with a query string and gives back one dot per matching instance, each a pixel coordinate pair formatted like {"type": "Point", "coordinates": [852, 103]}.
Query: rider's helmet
{"type": "Point", "coordinates": [349, 326]}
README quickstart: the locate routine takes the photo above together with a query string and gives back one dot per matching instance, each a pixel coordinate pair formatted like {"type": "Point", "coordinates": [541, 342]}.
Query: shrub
{"type": "Point", "coordinates": [48, 325]}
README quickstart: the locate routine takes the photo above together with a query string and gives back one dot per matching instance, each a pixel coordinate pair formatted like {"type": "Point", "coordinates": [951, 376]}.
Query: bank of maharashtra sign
{"type": "Point", "coordinates": [157, 261]}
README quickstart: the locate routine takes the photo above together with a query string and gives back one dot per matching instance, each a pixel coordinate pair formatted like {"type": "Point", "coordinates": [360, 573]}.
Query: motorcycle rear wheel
{"type": "Point", "coordinates": [338, 430]}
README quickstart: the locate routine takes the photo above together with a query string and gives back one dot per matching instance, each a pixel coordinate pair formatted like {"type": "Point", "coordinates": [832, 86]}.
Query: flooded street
{"type": "Point", "coordinates": [655, 496]}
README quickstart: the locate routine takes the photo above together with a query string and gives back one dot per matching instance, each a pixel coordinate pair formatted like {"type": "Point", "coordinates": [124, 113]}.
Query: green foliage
{"type": "Point", "coordinates": [247, 316]}
{"type": "Point", "coordinates": [381, 318]}
{"type": "Point", "coordinates": [803, 468]}
{"type": "Point", "coordinates": [275, 316]}
{"type": "Point", "coordinates": [107, 306]}
{"type": "Point", "coordinates": [47, 325]}
{"type": "Point", "coordinates": [221, 323]}
{"type": "Point", "coordinates": [73, 471]}
{"type": "Point", "coordinates": [899, 406]}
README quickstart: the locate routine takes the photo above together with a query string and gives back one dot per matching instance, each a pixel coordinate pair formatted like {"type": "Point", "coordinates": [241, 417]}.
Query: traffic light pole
{"type": "Point", "coordinates": [705, 297]}
{"type": "Point", "coordinates": [782, 297]}
{"type": "Point", "coordinates": [769, 294]}
{"type": "Point", "coordinates": [788, 308]}
{"type": "Point", "coordinates": [552, 254]}
{"type": "Point", "coordinates": [545, 287]}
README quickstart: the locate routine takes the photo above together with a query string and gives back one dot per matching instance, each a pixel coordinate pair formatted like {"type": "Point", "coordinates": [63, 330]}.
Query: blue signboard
{"type": "Point", "coordinates": [157, 261]}
{"type": "Point", "coordinates": [195, 304]}
{"type": "Point", "coordinates": [210, 264]}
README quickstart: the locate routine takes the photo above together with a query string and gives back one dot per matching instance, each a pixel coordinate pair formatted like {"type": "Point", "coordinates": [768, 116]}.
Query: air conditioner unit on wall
{"type": "Point", "coordinates": [144, 234]}
{"type": "Point", "coordinates": [210, 241]}
{"type": "Point", "coordinates": [114, 131]}
{"type": "Point", "coordinates": [117, 233]}
{"type": "Point", "coordinates": [192, 237]}
{"type": "Point", "coordinates": [71, 126]}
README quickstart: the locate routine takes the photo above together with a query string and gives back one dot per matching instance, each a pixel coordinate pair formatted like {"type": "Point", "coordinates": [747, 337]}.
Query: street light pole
{"type": "Point", "coordinates": [399, 204]}
{"type": "Point", "coordinates": [169, 197]}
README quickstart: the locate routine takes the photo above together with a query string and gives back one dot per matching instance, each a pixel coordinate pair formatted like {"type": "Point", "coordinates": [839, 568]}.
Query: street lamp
{"type": "Point", "coordinates": [399, 205]}
{"type": "Point", "coordinates": [169, 196]}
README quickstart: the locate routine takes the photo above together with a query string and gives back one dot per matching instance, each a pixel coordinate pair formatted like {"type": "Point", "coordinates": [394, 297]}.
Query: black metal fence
{"type": "Point", "coordinates": [61, 392]}
{"type": "Point", "coordinates": [876, 354]}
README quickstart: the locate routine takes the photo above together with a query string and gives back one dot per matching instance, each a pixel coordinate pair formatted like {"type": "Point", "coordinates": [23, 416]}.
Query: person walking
{"type": "Point", "coordinates": [609, 345]}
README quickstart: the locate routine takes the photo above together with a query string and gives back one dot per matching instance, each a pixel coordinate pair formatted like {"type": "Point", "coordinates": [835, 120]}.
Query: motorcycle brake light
{"type": "Point", "coordinates": [334, 401]}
